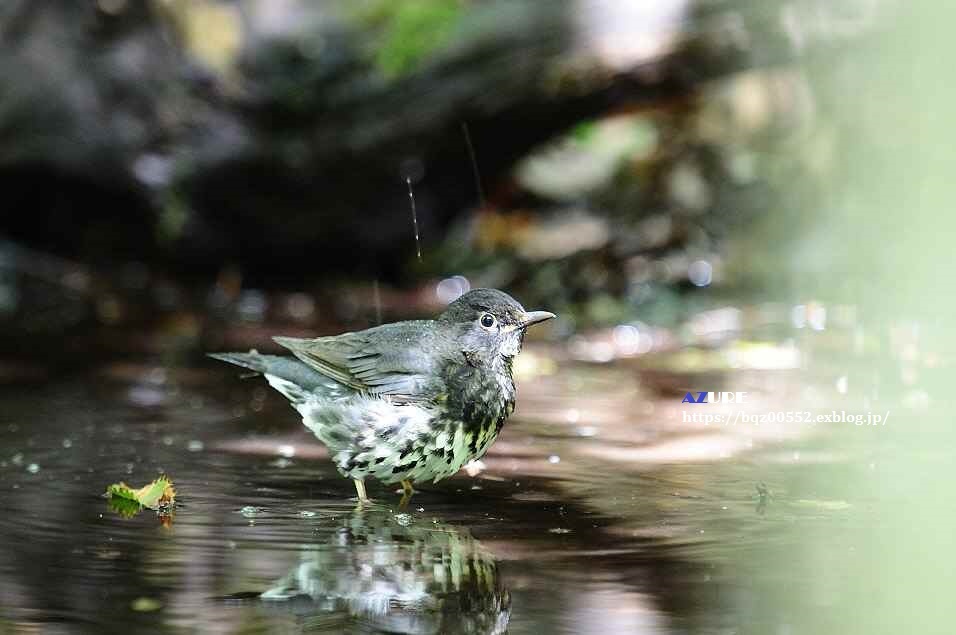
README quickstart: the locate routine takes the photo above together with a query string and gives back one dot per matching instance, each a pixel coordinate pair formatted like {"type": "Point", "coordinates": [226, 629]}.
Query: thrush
{"type": "Point", "coordinates": [409, 401]}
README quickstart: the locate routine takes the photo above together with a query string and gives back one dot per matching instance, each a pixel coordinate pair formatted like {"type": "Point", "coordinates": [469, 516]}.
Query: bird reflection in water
{"type": "Point", "coordinates": [394, 573]}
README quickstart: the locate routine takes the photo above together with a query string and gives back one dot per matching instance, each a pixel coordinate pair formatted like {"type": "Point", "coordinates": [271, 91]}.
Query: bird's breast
{"type": "Point", "coordinates": [479, 401]}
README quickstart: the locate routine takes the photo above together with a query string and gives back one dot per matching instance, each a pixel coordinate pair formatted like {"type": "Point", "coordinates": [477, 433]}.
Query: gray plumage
{"type": "Point", "coordinates": [407, 401]}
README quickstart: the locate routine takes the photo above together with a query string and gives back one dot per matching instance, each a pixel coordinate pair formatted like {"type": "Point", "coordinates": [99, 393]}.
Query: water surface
{"type": "Point", "coordinates": [598, 511]}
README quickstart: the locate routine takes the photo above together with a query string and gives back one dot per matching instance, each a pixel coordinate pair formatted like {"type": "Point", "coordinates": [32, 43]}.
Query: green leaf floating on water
{"type": "Point", "coordinates": [125, 499]}
{"type": "Point", "coordinates": [125, 507]}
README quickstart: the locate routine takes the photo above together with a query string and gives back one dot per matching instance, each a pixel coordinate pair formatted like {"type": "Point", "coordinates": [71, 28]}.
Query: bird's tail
{"type": "Point", "coordinates": [251, 360]}
{"type": "Point", "coordinates": [288, 375]}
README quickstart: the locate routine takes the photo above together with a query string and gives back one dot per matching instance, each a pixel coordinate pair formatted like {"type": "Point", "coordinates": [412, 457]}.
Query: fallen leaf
{"type": "Point", "coordinates": [158, 494]}
{"type": "Point", "coordinates": [125, 507]}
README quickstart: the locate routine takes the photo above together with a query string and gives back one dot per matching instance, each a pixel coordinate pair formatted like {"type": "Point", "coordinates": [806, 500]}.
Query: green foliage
{"type": "Point", "coordinates": [584, 131]}
{"type": "Point", "coordinates": [172, 217]}
{"type": "Point", "coordinates": [410, 31]}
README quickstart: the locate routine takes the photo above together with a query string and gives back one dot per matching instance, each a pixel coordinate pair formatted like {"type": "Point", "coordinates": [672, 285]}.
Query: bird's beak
{"type": "Point", "coordinates": [533, 317]}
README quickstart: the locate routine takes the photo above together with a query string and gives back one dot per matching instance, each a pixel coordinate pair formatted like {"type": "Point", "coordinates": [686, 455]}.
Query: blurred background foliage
{"type": "Point", "coordinates": [619, 163]}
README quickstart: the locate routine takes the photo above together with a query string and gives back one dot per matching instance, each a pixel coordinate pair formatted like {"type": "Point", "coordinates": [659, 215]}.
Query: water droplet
{"type": "Point", "coordinates": [195, 446]}
{"type": "Point", "coordinates": [17, 459]}
{"type": "Point", "coordinates": [700, 273]}
{"type": "Point", "coordinates": [306, 514]}
{"type": "Point", "coordinates": [554, 458]}
{"type": "Point", "coordinates": [411, 198]}
{"type": "Point", "coordinates": [288, 451]}
{"type": "Point", "coordinates": [33, 468]}
{"type": "Point", "coordinates": [249, 511]}
{"type": "Point", "coordinates": [842, 384]}
{"type": "Point", "coordinates": [450, 289]}
{"type": "Point", "coordinates": [67, 443]}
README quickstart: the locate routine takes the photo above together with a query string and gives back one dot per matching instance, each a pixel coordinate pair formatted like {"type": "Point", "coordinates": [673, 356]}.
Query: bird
{"type": "Point", "coordinates": [408, 401]}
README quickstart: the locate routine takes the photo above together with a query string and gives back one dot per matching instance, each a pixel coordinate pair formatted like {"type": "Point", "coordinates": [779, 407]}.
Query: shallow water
{"type": "Point", "coordinates": [596, 512]}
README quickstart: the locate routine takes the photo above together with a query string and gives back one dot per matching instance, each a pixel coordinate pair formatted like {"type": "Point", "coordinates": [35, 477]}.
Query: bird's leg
{"type": "Point", "coordinates": [407, 491]}
{"type": "Point", "coordinates": [360, 488]}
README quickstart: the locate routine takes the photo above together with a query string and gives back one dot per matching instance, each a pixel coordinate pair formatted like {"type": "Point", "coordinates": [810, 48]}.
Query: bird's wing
{"type": "Point", "coordinates": [324, 355]}
{"type": "Point", "coordinates": [392, 359]}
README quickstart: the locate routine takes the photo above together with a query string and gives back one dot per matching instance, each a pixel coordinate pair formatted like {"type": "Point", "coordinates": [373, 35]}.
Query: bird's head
{"type": "Point", "coordinates": [490, 325]}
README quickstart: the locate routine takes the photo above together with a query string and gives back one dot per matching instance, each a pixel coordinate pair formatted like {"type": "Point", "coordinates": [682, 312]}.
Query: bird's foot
{"type": "Point", "coordinates": [407, 488]}
{"type": "Point", "coordinates": [360, 489]}
{"type": "Point", "coordinates": [407, 492]}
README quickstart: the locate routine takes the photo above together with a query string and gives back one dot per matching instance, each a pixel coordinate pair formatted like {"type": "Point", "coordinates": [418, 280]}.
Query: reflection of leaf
{"type": "Point", "coordinates": [125, 507]}
{"type": "Point", "coordinates": [166, 519]}
{"type": "Point", "coordinates": [159, 493]}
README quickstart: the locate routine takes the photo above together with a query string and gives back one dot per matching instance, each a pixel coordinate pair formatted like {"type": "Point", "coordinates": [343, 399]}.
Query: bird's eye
{"type": "Point", "coordinates": [488, 321]}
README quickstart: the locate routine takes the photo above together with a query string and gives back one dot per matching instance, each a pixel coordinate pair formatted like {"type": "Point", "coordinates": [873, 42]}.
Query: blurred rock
{"type": "Point", "coordinates": [190, 134]}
